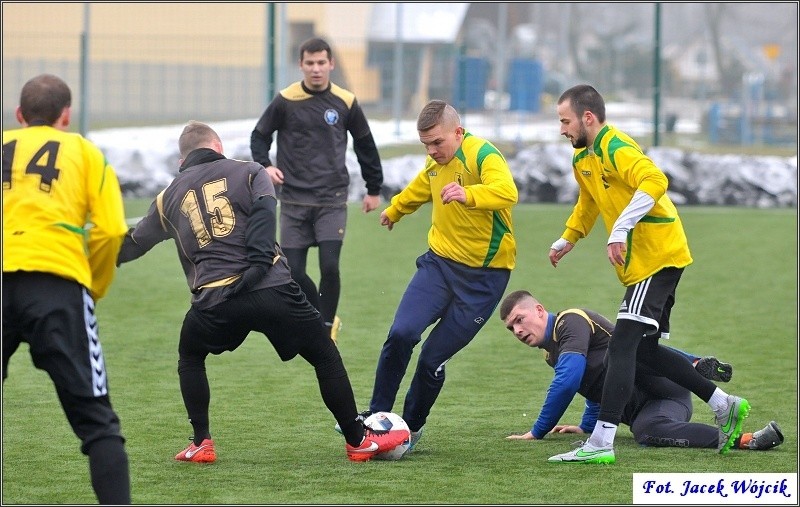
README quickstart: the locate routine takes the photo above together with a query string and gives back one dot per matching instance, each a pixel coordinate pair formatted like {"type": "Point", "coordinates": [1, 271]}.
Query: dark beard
{"type": "Point", "coordinates": [580, 141]}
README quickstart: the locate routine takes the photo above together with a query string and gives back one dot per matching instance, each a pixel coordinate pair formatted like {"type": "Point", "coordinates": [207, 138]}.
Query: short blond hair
{"type": "Point", "coordinates": [196, 135]}
{"type": "Point", "coordinates": [437, 112]}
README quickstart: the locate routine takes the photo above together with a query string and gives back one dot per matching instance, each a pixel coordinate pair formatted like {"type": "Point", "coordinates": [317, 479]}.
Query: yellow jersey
{"type": "Point", "coordinates": [608, 174]}
{"type": "Point", "coordinates": [62, 207]}
{"type": "Point", "coordinates": [479, 233]}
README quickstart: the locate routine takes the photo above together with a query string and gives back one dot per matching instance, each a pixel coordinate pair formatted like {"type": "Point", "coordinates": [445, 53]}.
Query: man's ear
{"type": "Point", "coordinates": [64, 119]}
{"type": "Point", "coordinates": [20, 118]}
{"type": "Point", "coordinates": [217, 146]}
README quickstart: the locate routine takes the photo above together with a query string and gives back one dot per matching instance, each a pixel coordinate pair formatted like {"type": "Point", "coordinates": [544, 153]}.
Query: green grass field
{"type": "Point", "coordinates": [275, 439]}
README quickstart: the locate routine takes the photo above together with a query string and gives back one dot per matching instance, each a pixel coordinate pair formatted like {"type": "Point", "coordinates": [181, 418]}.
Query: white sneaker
{"type": "Point", "coordinates": [413, 439]}
{"type": "Point", "coordinates": [585, 454]}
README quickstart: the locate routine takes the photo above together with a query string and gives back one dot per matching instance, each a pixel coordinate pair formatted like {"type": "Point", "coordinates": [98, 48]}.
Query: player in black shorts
{"type": "Point", "coordinates": [648, 248]}
{"type": "Point", "coordinates": [312, 118]}
{"type": "Point", "coordinates": [221, 214]}
{"type": "Point", "coordinates": [55, 269]}
{"type": "Point", "coordinates": [575, 342]}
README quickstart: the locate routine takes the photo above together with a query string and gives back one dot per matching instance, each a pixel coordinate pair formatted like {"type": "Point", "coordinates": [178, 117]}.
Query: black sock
{"type": "Point", "coordinates": [199, 441]}
{"type": "Point", "coordinates": [353, 432]}
{"type": "Point", "coordinates": [108, 467]}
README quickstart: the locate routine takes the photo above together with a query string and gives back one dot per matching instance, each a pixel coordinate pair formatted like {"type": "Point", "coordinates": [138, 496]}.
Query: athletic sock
{"type": "Point", "coordinates": [602, 436]}
{"type": "Point", "coordinates": [718, 401]}
{"type": "Point", "coordinates": [743, 442]}
{"type": "Point", "coordinates": [353, 432]}
{"type": "Point", "coordinates": [199, 441]}
{"type": "Point", "coordinates": [108, 467]}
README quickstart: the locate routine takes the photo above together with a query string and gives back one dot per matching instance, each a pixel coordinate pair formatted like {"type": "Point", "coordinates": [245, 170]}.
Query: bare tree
{"type": "Point", "coordinates": [715, 15]}
{"type": "Point", "coordinates": [574, 30]}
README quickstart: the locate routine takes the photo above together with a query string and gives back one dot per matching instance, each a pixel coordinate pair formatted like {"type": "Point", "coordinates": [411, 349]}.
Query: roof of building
{"type": "Point", "coordinates": [421, 22]}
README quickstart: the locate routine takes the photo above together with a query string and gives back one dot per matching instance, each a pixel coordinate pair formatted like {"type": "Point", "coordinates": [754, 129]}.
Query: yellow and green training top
{"type": "Point", "coordinates": [608, 174]}
{"type": "Point", "coordinates": [479, 233]}
{"type": "Point", "coordinates": [62, 207]}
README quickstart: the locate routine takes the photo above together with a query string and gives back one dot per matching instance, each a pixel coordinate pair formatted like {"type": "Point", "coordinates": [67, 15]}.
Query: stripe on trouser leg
{"type": "Point", "coordinates": [99, 384]}
{"type": "Point", "coordinates": [440, 369]}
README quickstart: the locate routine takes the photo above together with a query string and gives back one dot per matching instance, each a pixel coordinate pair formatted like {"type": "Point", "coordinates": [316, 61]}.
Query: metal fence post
{"type": "Point", "coordinates": [656, 73]}
{"type": "Point", "coordinates": [83, 118]}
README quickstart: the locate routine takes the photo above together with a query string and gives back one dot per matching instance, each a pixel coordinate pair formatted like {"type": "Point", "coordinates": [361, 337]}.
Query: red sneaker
{"type": "Point", "coordinates": [203, 453]}
{"type": "Point", "coordinates": [375, 442]}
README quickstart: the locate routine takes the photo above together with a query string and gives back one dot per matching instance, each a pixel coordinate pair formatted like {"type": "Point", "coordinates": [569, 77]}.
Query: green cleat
{"type": "Point", "coordinates": [585, 454]}
{"type": "Point", "coordinates": [730, 422]}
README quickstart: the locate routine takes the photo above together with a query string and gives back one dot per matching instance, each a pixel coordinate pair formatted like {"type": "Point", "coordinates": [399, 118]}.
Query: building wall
{"type": "Point", "coordinates": [144, 45]}
{"type": "Point", "coordinates": [187, 24]}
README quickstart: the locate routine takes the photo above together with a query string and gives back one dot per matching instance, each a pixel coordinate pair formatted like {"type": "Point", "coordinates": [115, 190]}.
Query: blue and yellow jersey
{"type": "Point", "coordinates": [479, 233]}
{"type": "Point", "coordinates": [608, 174]}
{"type": "Point", "coordinates": [62, 207]}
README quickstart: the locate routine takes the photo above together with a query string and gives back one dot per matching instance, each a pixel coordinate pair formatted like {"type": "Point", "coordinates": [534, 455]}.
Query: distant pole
{"type": "Point", "coordinates": [462, 82]}
{"type": "Point", "coordinates": [281, 62]}
{"type": "Point", "coordinates": [397, 106]}
{"type": "Point", "coordinates": [502, 28]}
{"type": "Point", "coordinates": [83, 119]}
{"type": "Point", "coordinates": [269, 57]}
{"type": "Point", "coordinates": [656, 73]}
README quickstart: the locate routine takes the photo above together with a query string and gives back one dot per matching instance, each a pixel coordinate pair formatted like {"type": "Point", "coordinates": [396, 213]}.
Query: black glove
{"type": "Point", "coordinates": [249, 279]}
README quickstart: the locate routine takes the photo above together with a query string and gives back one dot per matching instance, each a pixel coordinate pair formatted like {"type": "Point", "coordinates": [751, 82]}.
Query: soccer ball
{"type": "Point", "coordinates": [389, 421]}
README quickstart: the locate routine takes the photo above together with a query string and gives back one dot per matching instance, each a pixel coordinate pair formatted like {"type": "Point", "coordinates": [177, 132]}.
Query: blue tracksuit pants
{"type": "Point", "coordinates": [459, 299]}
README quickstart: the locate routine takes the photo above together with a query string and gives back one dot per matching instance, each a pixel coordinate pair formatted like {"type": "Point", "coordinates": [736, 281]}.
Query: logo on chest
{"type": "Point", "coordinates": [331, 116]}
{"type": "Point", "coordinates": [603, 178]}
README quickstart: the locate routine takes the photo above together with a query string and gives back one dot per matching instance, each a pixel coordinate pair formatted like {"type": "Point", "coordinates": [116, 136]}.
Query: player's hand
{"type": "Point", "coordinates": [454, 192]}
{"type": "Point", "coordinates": [370, 202]}
{"type": "Point", "coordinates": [566, 428]}
{"type": "Point", "coordinates": [385, 220]}
{"type": "Point", "coordinates": [249, 278]}
{"type": "Point", "coordinates": [525, 436]}
{"type": "Point", "coordinates": [616, 253]}
{"type": "Point", "coordinates": [275, 174]}
{"type": "Point", "coordinates": [558, 250]}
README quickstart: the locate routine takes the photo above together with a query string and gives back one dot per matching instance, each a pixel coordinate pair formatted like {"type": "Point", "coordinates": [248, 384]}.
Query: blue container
{"type": "Point", "coordinates": [470, 83]}
{"type": "Point", "coordinates": [714, 122]}
{"type": "Point", "coordinates": [525, 84]}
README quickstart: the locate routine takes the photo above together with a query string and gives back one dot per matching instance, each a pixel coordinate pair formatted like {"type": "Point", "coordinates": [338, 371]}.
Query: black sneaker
{"type": "Point", "coordinates": [767, 438]}
{"type": "Point", "coordinates": [713, 369]}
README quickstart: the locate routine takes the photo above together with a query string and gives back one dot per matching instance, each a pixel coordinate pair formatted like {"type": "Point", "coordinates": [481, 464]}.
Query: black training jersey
{"type": "Point", "coordinates": [205, 210]}
{"type": "Point", "coordinates": [587, 333]}
{"type": "Point", "coordinates": [312, 131]}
